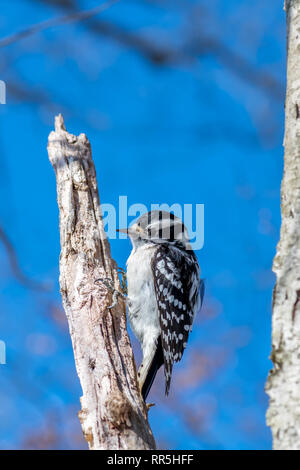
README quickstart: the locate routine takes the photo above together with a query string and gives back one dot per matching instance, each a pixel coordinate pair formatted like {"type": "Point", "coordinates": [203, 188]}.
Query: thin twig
{"type": "Point", "coordinates": [69, 18]}
{"type": "Point", "coordinates": [15, 266]}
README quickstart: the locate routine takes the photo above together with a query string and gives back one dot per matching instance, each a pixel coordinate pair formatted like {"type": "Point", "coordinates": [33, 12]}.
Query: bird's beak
{"type": "Point", "coordinates": [131, 232]}
{"type": "Point", "coordinates": [123, 230]}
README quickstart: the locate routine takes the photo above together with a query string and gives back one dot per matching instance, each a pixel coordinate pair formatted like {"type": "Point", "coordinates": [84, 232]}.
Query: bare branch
{"type": "Point", "coordinates": [159, 54]}
{"type": "Point", "coordinates": [238, 65]}
{"type": "Point", "coordinates": [69, 18]}
{"type": "Point", "coordinates": [15, 266]}
{"type": "Point", "coordinates": [199, 46]}
{"type": "Point", "coordinates": [113, 413]}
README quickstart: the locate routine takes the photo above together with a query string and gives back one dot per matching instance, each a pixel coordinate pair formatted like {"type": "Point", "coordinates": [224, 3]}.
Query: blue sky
{"type": "Point", "coordinates": [197, 131]}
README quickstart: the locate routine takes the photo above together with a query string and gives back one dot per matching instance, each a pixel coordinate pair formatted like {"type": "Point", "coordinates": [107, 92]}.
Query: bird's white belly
{"type": "Point", "coordinates": [142, 304]}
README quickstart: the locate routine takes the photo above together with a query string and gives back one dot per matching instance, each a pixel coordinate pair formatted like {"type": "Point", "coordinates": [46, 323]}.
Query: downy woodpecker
{"type": "Point", "coordinates": [164, 292]}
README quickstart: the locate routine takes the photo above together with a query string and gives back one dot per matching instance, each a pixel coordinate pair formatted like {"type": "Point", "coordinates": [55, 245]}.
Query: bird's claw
{"type": "Point", "coordinates": [109, 284]}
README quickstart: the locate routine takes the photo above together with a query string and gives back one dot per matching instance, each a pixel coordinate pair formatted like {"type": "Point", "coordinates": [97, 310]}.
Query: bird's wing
{"type": "Point", "coordinates": [177, 286]}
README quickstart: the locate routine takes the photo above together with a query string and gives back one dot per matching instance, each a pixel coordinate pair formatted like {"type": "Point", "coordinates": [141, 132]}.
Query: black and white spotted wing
{"type": "Point", "coordinates": [179, 292]}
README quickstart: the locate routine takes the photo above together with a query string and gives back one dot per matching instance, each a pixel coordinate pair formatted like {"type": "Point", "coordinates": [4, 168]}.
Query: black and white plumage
{"type": "Point", "coordinates": [164, 292]}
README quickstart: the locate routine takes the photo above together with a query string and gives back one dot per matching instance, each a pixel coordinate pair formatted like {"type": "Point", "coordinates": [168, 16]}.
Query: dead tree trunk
{"type": "Point", "coordinates": [113, 414]}
{"type": "Point", "coordinates": [283, 385]}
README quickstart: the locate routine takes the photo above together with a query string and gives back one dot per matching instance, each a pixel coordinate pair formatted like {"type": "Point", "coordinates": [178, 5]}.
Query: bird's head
{"type": "Point", "coordinates": [158, 227]}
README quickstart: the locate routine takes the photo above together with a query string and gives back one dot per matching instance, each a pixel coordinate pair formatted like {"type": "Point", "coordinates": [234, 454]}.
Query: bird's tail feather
{"type": "Point", "coordinates": [156, 363]}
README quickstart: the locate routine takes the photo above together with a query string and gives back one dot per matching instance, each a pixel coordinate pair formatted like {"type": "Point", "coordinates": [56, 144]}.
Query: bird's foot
{"type": "Point", "coordinates": [109, 284]}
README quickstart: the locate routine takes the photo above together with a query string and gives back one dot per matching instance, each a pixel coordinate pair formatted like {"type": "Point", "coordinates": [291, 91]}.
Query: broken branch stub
{"type": "Point", "coordinates": [113, 414]}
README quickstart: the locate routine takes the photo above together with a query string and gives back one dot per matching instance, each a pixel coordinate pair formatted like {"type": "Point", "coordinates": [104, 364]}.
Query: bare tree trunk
{"type": "Point", "coordinates": [113, 414]}
{"type": "Point", "coordinates": [283, 385]}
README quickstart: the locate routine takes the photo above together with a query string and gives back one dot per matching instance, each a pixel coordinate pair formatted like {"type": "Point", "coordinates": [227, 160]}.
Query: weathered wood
{"type": "Point", "coordinates": [113, 414]}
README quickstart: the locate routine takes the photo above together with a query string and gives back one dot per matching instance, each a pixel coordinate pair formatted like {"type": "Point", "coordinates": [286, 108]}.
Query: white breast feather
{"type": "Point", "coordinates": [142, 304]}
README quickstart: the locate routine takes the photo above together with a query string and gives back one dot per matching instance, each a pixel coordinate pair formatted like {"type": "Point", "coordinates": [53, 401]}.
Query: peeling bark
{"type": "Point", "coordinates": [283, 385]}
{"type": "Point", "coordinates": [113, 414]}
